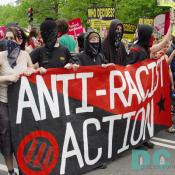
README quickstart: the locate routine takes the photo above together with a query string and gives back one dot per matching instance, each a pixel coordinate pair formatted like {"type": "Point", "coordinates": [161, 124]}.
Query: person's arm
{"type": "Point", "coordinates": [31, 67]}
{"type": "Point", "coordinates": [132, 57]}
{"type": "Point", "coordinates": [74, 60]}
{"type": "Point", "coordinates": [29, 61]}
{"type": "Point", "coordinates": [171, 79]}
{"type": "Point", "coordinates": [74, 63]}
{"type": "Point", "coordinates": [9, 78]}
{"type": "Point", "coordinates": [35, 55]}
{"type": "Point", "coordinates": [68, 55]}
{"type": "Point", "coordinates": [162, 44]}
{"type": "Point", "coordinates": [170, 58]}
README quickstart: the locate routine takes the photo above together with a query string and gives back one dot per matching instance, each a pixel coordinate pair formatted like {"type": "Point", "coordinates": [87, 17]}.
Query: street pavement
{"type": "Point", "coordinates": [122, 165]}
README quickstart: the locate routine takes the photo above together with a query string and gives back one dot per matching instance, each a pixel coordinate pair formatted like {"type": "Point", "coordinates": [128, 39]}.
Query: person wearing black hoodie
{"type": "Point", "coordinates": [112, 46]}
{"type": "Point", "coordinates": [89, 57]}
{"type": "Point", "coordinates": [91, 54]}
{"type": "Point", "coordinates": [141, 49]}
{"type": "Point", "coordinates": [144, 49]}
{"type": "Point", "coordinates": [80, 40]}
{"type": "Point", "coordinates": [51, 55]}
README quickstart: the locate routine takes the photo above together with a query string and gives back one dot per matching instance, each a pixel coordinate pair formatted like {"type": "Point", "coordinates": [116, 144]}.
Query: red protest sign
{"type": "Point", "coordinates": [2, 32]}
{"type": "Point", "coordinates": [75, 27]}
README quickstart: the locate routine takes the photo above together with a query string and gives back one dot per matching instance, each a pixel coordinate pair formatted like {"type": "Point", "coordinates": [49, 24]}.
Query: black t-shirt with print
{"type": "Point", "coordinates": [55, 59]}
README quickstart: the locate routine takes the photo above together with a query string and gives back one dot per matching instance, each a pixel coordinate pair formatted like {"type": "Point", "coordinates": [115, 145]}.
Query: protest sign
{"type": "Point", "coordinates": [67, 122]}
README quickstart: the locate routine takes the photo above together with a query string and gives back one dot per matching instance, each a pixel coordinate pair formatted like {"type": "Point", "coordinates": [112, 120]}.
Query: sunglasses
{"type": "Point", "coordinates": [9, 38]}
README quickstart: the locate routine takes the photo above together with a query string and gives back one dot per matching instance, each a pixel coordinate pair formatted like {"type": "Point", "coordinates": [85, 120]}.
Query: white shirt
{"type": "Point", "coordinates": [5, 69]}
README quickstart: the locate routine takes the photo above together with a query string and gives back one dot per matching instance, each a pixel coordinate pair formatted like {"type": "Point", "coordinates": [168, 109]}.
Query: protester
{"type": "Point", "coordinates": [20, 37]}
{"type": "Point", "coordinates": [112, 46]}
{"type": "Point", "coordinates": [171, 53]}
{"type": "Point", "coordinates": [144, 49]}
{"type": "Point", "coordinates": [32, 41]}
{"type": "Point", "coordinates": [80, 40]}
{"type": "Point", "coordinates": [171, 47]}
{"type": "Point", "coordinates": [51, 55]}
{"type": "Point", "coordinates": [9, 78]}
{"type": "Point", "coordinates": [91, 54]}
{"type": "Point", "coordinates": [65, 39]}
{"type": "Point", "coordinates": [13, 62]}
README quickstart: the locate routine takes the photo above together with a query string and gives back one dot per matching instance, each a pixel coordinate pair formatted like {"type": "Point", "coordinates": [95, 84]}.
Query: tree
{"type": "Point", "coordinates": [126, 10]}
{"type": "Point", "coordinates": [131, 10]}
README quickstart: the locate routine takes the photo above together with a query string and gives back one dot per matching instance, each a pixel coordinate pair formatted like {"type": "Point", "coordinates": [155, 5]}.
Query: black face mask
{"type": "Point", "coordinates": [118, 38]}
{"type": "Point", "coordinates": [94, 48]}
{"type": "Point", "coordinates": [49, 39]}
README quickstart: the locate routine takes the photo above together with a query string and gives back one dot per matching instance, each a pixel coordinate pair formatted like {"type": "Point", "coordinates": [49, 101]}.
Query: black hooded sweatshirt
{"type": "Point", "coordinates": [86, 58]}
{"type": "Point", "coordinates": [113, 54]}
{"type": "Point", "coordinates": [140, 51]}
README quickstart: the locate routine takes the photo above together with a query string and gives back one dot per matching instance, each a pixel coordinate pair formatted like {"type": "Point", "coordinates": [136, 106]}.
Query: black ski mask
{"type": "Point", "coordinates": [49, 33]}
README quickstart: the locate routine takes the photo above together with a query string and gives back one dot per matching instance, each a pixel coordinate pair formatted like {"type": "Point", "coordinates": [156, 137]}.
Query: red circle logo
{"type": "Point", "coordinates": [37, 153]}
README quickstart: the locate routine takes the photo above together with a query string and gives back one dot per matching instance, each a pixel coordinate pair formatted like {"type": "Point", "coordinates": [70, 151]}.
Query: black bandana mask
{"type": "Point", "coordinates": [118, 38]}
{"type": "Point", "coordinates": [94, 48]}
{"type": "Point", "coordinates": [13, 50]}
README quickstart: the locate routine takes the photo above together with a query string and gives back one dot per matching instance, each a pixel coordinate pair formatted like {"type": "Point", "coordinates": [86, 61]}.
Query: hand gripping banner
{"type": "Point", "coordinates": [69, 122]}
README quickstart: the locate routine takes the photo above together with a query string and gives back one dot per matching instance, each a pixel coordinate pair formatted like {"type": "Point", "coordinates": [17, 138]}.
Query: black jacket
{"type": "Point", "coordinates": [85, 58]}
{"type": "Point", "coordinates": [137, 53]}
{"type": "Point", "coordinates": [141, 50]}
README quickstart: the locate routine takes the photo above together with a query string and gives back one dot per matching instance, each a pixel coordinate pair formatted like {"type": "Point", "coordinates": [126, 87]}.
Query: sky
{"type": "Point", "coordinates": [4, 2]}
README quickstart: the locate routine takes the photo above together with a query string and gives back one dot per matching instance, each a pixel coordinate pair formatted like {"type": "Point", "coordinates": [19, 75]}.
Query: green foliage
{"type": "Point", "coordinates": [131, 10]}
{"type": "Point", "coordinates": [126, 10]}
